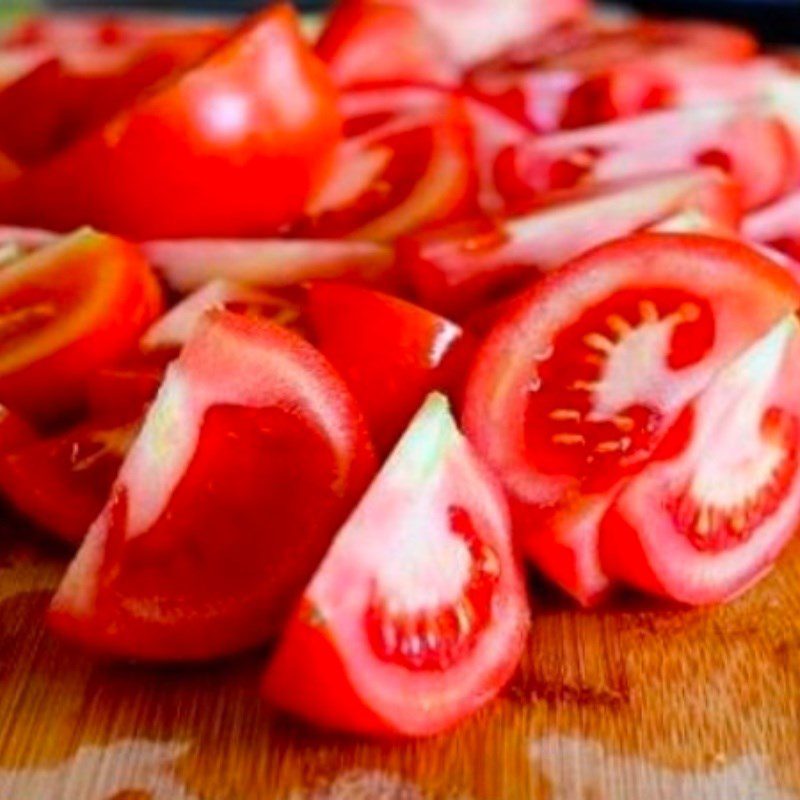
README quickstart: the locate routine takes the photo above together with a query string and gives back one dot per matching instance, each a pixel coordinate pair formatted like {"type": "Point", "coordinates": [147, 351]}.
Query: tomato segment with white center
{"type": "Point", "coordinates": [417, 615]}
{"type": "Point", "coordinates": [719, 501]}
{"type": "Point", "coordinates": [574, 390]}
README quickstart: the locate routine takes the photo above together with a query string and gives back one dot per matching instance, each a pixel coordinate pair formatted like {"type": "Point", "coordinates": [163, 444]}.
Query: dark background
{"type": "Point", "coordinates": [775, 20]}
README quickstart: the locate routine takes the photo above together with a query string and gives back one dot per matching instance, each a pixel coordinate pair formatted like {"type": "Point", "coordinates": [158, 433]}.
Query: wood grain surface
{"type": "Point", "coordinates": [634, 702]}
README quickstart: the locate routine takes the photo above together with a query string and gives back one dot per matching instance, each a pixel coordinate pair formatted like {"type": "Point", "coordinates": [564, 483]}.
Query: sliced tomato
{"type": "Point", "coordinates": [574, 390]}
{"type": "Point", "coordinates": [457, 268]}
{"type": "Point", "coordinates": [777, 225]}
{"type": "Point", "coordinates": [366, 42]}
{"type": "Point", "coordinates": [259, 113]}
{"type": "Point", "coordinates": [751, 144]}
{"type": "Point", "coordinates": [14, 431]}
{"type": "Point", "coordinates": [397, 178]}
{"type": "Point", "coordinates": [188, 264]}
{"type": "Point", "coordinates": [62, 483]}
{"type": "Point", "coordinates": [249, 459]}
{"type": "Point", "coordinates": [707, 519]}
{"type": "Point", "coordinates": [176, 327]}
{"type": "Point", "coordinates": [125, 389]}
{"type": "Point", "coordinates": [596, 73]}
{"type": "Point", "coordinates": [66, 311]}
{"type": "Point", "coordinates": [391, 353]}
{"type": "Point", "coordinates": [409, 626]}
{"type": "Point", "coordinates": [53, 104]}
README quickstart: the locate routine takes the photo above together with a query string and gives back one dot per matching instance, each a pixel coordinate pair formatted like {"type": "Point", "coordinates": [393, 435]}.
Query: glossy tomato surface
{"type": "Point", "coordinates": [232, 147]}
{"type": "Point", "coordinates": [391, 353]}
{"type": "Point", "coordinates": [67, 310]}
{"type": "Point", "coordinates": [249, 459]}
{"type": "Point", "coordinates": [417, 616]}
{"type": "Point", "coordinates": [576, 387]}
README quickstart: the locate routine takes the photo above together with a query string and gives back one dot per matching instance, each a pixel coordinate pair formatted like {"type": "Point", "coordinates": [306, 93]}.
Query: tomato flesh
{"type": "Point", "coordinates": [704, 520]}
{"type": "Point", "coordinates": [574, 389]}
{"type": "Point", "coordinates": [66, 311]}
{"type": "Point", "coordinates": [210, 141]}
{"type": "Point", "coordinates": [208, 537]}
{"type": "Point", "coordinates": [391, 353]}
{"type": "Point", "coordinates": [406, 627]}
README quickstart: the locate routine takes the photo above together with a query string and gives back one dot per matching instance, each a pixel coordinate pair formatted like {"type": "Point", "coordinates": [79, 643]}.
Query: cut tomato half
{"type": "Point", "coordinates": [62, 483]}
{"type": "Point", "coordinates": [575, 389]}
{"type": "Point", "coordinates": [705, 521]}
{"type": "Point", "coordinates": [457, 268]}
{"type": "Point", "coordinates": [394, 179]}
{"type": "Point", "coordinates": [260, 112]}
{"type": "Point", "coordinates": [417, 616]}
{"type": "Point", "coordinates": [750, 142]}
{"type": "Point", "coordinates": [391, 353]}
{"type": "Point", "coordinates": [66, 311]}
{"type": "Point", "coordinates": [211, 534]}
{"type": "Point", "coordinates": [189, 264]}
{"type": "Point", "coordinates": [366, 42]}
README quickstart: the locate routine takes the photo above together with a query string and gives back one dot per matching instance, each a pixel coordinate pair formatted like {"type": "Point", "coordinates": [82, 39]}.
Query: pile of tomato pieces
{"type": "Point", "coordinates": [314, 345]}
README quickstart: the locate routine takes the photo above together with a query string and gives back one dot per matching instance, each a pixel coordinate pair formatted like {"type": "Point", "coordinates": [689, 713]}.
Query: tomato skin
{"type": "Point", "coordinates": [210, 140]}
{"type": "Point", "coordinates": [117, 298]}
{"type": "Point", "coordinates": [325, 668]}
{"type": "Point", "coordinates": [196, 564]}
{"type": "Point", "coordinates": [124, 389]}
{"type": "Point", "coordinates": [748, 294]}
{"type": "Point", "coordinates": [456, 269]}
{"type": "Point", "coordinates": [391, 353]}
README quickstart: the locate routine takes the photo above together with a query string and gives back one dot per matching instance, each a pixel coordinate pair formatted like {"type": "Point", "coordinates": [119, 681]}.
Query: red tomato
{"type": "Point", "coordinates": [124, 389]}
{"type": "Point", "coordinates": [53, 104]}
{"type": "Point", "coordinates": [188, 264]}
{"type": "Point", "coordinates": [62, 483]}
{"type": "Point", "coordinates": [577, 386]}
{"type": "Point", "coordinates": [249, 459]}
{"type": "Point", "coordinates": [365, 42]}
{"type": "Point", "coordinates": [589, 74]}
{"type": "Point", "coordinates": [397, 178]}
{"type": "Point", "coordinates": [14, 431]}
{"type": "Point", "coordinates": [66, 311]}
{"type": "Point", "coordinates": [417, 616]}
{"type": "Point", "coordinates": [456, 268]}
{"type": "Point", "coordinates": [391, 353]}
{"type": "Point", "coordinates": [751, 144]}
{"type": "Point", "coordinates": [260, 112]}
{"type": "Point", "coordinates": [705, 520]}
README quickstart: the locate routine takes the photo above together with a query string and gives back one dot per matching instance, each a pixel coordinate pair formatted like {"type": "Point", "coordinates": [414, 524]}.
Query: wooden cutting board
{"type": "Point", "coordinates": [634, 702]}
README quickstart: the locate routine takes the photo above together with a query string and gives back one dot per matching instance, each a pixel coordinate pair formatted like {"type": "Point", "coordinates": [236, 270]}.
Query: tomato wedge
{"type": "Point", "coordinates": [750, 142]}
{"type": "Point", "coordinates": [210, 534]}
{"type": "Point", "coordinates": [259, 113]}
{"type": "Point", "coordinates": [365, 42]}
{"type": "Point", "coordinates": [707, 519]}
{"type": "Point", "coordinates": [391, 353]}
{"type": "Point", "coordinates": [125, 389]}
{"type": "Point", "coordinates": [456, 268]}
{"type": "Point", "coordinates": [397, 178]}
{"type": "Point", "coordinates": [62, 483]}
{"type": "Point", "coordinates": [408, 627]}
{"type": "Point", "coordinates": [575, 389]}
{"type": "Point", "coordinates": [590, 74]}
{"type": "Point", "coordinates": [66, 311]}
{"type": "Point", "coordinates": [188, 264]}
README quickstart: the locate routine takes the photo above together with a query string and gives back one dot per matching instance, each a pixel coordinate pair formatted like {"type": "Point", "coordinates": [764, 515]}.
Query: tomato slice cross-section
{"type": "Point", "coordinates": [706, 519]}
{"type": "Point", "coordinates": [67, 310]}
{"type": "Point", "coordinates": [575, 388]}
{"type": "Point", "coordinates": [249, 459]}
{"type": "Point", "coordinates": [417, 616]}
